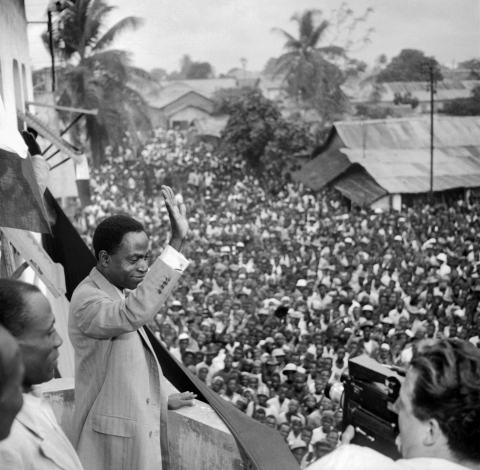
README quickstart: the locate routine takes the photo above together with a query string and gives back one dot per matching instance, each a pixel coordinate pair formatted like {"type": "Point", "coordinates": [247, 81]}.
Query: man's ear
{"type": "Point", "coordinates": [433, 434]}
{"type": "Point", "coordinates": [104, 259]}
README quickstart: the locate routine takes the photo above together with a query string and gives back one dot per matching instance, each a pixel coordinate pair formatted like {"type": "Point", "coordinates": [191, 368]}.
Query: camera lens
{"type": "Point", "coordinates": [334, 391]}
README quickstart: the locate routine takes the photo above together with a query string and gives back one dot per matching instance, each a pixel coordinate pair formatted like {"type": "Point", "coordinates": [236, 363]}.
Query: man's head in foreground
{"type": "Point", "coordinates": [439, 403]}
{"type": "Point", "coordinates": [121, 248]}
{"type": "Point", "coordinates": [11, 375]}
{"type": "Point", "coordinates": [27, 316]}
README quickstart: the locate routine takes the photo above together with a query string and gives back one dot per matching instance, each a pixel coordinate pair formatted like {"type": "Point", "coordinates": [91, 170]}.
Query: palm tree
{"type": "Point", "coordinates": [96, 77]}
{"type": "Point", "coordinates": [302, 63]}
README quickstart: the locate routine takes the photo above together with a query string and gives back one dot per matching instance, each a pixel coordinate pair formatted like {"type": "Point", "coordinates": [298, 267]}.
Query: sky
{"type": "Point", "coordinates": [224, 31]}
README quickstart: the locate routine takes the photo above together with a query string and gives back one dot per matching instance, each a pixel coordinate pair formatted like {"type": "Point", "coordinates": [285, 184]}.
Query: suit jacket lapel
{"type": "Point", "coordinates": [146, 341]}
{"type": "Point", "coordinates": [50, 447]}
{"type": "Point", "coordinates": [104, 284]}
{"type": "Point", "coordinates": [26, 419]}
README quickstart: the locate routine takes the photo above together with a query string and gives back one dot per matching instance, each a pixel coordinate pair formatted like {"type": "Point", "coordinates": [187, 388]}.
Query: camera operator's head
{"type": "Point", "coordinates": [439, 403]}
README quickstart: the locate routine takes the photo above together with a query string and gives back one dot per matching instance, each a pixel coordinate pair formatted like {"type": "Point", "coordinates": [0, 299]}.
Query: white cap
{"type": "Point", "coordinates": [442, 257]}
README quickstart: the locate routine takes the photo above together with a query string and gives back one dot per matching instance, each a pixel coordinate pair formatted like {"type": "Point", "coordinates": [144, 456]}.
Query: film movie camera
{"type": "Point", "coordinates": [366, 396]}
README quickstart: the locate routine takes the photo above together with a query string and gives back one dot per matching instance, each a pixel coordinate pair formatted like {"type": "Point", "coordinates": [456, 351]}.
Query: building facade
{"type": "Point", "coordinates": [15, 72]}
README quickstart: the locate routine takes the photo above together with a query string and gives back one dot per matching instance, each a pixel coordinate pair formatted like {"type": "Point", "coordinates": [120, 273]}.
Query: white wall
{"type": "Point", "coordinates": [187, 114]}
{"type": "Point", "coordinates": [14, 45]}
{"type": "Point", "coordinates": [390, 201]}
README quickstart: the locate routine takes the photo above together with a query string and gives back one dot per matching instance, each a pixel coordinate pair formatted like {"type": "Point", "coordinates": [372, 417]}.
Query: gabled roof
{"type": "Point", "coordinates": [173, 90]}
{"type": "Point", "coordinates": [206, 87]}
{"type": "Point", "coordinates": [168, 96]}
{"type": "Point", "coordinates": [319, 172]}
{"type": "Point", "coordinates": [359, 187]}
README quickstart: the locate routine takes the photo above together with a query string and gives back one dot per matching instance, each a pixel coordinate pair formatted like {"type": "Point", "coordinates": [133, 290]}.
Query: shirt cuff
{"type": "Point", "coordinates": [174, 259]}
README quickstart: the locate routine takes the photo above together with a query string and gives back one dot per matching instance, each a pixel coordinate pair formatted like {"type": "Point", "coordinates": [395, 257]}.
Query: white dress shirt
{"type": "Point", "coordinates": [353, 457]}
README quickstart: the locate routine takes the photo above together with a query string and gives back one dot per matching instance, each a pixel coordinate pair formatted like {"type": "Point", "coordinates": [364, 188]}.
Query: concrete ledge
{"type": "Point", "coordinates": [61, 395]}
{"type": "Point", "coordinates": [198, 438]}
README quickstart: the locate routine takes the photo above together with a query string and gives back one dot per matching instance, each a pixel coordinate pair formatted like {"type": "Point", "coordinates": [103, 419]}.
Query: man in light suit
{"type": "Point", "coordinates": [121, 401]}
{"type": "Point", "coordinates": [36, 441]}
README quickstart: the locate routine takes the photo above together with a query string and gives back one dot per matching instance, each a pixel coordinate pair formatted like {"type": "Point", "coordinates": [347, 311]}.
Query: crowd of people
{"type": "Point", "coordinates": [285, 285]}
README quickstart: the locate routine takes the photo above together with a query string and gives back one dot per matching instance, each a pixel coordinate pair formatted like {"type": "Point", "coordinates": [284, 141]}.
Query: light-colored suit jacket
{"type": "Point", "coordinates": [36, 441]}
{"type": "Point", "coordinates": [120, 415]}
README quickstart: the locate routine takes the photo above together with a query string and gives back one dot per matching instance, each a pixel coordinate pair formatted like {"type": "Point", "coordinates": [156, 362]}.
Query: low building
{"type": "Point", "coordinates": [385, 163]}
{"type": "Point", "coordinates": [179, 103]}
{"type": "Point", "coordinates": [389, 93]}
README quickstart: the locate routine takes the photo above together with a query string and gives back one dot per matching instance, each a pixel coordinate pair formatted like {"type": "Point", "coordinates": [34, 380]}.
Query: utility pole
{"type": "Point", "coordinates": [432, 87]}
{"type": "Point", "coordinates": [244, 66]}
{"type": "Point", "coordinates": [58, 8]}
{"type": "Point", "coordinates": [50, 46]}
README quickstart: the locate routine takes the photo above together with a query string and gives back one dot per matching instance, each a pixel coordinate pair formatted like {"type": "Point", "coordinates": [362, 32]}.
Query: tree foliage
{"type": "Point", "coordinates": [257, 132]}
{"type": "Point", "coordinates": [96, 77]}
{"type": "Point", "coordinates": [158, 74]}
{"type": "Point", "coordinates": [191, 70]}
{"type": "Point", "coordinates": [200, 70]}
{"type": "Point", "coordinates": [406, 98]}
{"type": "Point", "coordinates": [317, 62]}
{"type": "Point", "coordinates": [374, 111]}
{"type": "Point", "coordinates": [410, 65]}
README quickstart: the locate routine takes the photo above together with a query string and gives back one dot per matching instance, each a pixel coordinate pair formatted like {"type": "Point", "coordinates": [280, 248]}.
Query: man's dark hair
{"type": "Point", "coordinates": [109, 234]}
{"type": "Point", "coordinates": [13, 304]}
{"type": "Point", "coordinates": [447, 388]}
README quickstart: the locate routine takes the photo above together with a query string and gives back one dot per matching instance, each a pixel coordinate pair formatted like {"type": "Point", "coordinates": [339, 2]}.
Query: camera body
{"type": "Point", "coordinates": [367, 396]}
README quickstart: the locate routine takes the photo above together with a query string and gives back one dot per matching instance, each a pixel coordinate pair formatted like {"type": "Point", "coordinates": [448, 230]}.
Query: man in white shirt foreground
{"type": "Point", "coordinates": [121, 395]}
{"type": "Point", "coordinates": [36, 440]}
{"type": "Point", "coordinates": [438, 415]}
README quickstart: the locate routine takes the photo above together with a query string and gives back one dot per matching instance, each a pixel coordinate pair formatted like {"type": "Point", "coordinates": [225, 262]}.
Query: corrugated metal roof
{"type": "Point", "coordinates": [396, 154]}
{"type": "Point", "coordinates": [410, 133]}
{"type": "Point", "coordinates": [408, 171]}
{"type": "Point", "coordinates": [359, 187]}
{"type": "Point", "coordinates": [322, 170]}
{"type": "Point", "coordinates": [166, 96]}
{"type": "Point", "coordinates": [172, 91]}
